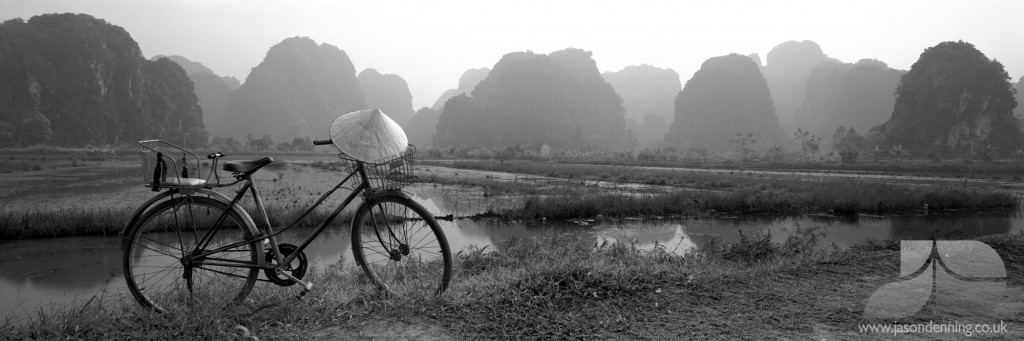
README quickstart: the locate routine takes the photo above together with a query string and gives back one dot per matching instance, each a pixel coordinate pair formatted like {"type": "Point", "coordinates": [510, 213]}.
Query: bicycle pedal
{"type": "Point", "coordinates": [305, 290]}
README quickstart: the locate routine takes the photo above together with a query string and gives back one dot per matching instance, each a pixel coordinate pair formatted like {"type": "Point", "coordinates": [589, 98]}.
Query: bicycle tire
{"type": "Point", "coordinates": [422, 268]}
{"type": "Point", "coordinates": [151, 252]}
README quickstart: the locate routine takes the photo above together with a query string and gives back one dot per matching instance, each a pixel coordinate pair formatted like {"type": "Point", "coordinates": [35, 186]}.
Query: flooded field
{"type": "Point", "coordinates": [51, 274]}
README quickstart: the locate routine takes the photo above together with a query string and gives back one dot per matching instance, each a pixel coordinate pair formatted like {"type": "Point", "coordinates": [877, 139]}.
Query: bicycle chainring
{"type": "Point", "coordinates": [296, 271]}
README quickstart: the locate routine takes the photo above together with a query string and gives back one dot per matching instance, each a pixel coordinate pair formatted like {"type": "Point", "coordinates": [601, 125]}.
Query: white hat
{"type": "Point", "coordinates": [368, 135]}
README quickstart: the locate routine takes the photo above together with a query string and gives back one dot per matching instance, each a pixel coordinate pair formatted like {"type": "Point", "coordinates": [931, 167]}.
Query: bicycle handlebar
{"type": "Point", "coordinates": [215, 155]}
{"type": "Point", "coordinates": [322, 142]}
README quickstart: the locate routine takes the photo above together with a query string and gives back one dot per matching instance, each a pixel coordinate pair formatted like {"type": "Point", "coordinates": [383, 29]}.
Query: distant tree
{"type": "Point", "coordinates": [260, 144]}
{"type": "Point", "coordinates": [36, 130]}
{"type": "Point", "coordinates": [899, 153]}
{"type": "Point", "coordinates": [225, 143]}
{"type": "Point", "coordinates": [775, 152]}
{"type": "Point", "coordinates": [744, 146]}
{"type": "Point", "coordinates": [809, 143]}
{"type": "Point", "coordinates": [838, 137]}
{"type": "Point", "coordinates": [848, 144]}
{"type": "Point", "coordinates": [6, 134]}
{"type": "Point", "coordinates": [285, 147]}
{"type": "Point", "coordinates": [301, 144]}
{"type": "Point", "coordinates": [848, 140]}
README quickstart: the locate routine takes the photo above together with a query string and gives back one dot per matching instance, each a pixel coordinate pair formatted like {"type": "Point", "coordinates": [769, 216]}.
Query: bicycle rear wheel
{"type": "Point", "coordinates": [401, 247]}
{"type": "Point", "coordinates": [160, 263]}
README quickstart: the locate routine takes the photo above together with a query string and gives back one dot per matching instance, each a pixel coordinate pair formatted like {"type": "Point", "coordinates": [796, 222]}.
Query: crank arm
{"type": "Point", "coordinates": [306, 286]}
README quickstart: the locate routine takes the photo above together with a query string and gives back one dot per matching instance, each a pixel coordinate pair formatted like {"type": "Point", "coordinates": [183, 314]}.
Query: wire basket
{"type": "Point", "coordinates": [167, 165]}
{"type": "Point", "coordinates": [388, 174]}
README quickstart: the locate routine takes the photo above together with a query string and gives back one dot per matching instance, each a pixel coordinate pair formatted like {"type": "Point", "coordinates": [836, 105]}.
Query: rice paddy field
{"type": "Point", "coordinates": [544, 250]}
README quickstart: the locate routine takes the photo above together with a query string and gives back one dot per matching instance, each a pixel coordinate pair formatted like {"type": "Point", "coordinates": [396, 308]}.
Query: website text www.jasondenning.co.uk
{"type": "Point", "coordinates": [966, 329]}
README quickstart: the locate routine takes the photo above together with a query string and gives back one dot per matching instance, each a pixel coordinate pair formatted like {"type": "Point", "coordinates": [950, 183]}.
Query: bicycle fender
{"type": "Point", "coordinates": [160, 197]}
{"type": "Point", "coordinates": [138, 214]}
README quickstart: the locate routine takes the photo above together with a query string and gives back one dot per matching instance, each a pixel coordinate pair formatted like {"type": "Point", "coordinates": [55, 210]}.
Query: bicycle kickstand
{"type": "Point", "coordinates": [306, 286]}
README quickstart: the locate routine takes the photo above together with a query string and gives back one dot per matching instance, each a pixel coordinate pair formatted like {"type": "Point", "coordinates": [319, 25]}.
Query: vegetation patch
{"type": "Point", "coordinates": [65, 222]}
{"type": "Point", "coordinates": [560, 286]}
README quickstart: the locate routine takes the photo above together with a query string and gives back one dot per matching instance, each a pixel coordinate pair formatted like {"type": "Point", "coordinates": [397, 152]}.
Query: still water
{"type": "Point", "coordinates": [51, 274]}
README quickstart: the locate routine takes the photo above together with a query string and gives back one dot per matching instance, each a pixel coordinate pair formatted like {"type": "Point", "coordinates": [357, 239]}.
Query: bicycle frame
{"type": "Point", "coordinates": [269, 235]}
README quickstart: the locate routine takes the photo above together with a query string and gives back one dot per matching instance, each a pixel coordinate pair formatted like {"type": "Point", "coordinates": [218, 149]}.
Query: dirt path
{"type": "Point", "coordinates": [384, 331]}
{"type": "Point", "coordinates": [824, 300]}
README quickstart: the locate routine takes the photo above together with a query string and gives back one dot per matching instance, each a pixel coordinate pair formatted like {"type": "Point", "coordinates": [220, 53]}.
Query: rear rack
{"type": "Point", "coordinates": [167, 165]}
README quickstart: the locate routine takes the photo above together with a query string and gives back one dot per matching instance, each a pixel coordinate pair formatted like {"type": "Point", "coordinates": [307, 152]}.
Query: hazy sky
{"type": "Point", "coordinates": [430, 43]}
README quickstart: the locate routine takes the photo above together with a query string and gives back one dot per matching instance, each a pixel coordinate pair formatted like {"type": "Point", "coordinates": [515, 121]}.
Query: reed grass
{"type": "Point", "coordinates": [569, 200]}
{"type": "Point", "coordinates": [65, 222]}
{"type": "Point", "coordinates": [560, 286]}
{"type": "Point", "coordinates": [838, 197]}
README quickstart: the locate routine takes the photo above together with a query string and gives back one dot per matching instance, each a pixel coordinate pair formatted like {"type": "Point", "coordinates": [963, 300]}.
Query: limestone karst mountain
{"type": "Point", "coordinates": [531, 99]}
{"type": "Point", "coordinates": [389, 93]}
{"type": "Point", "coordinates": [648, 95]}
{"type": "Point", "coordinates": [728, 97]}
{"type": "Point", "coordinates": [295, 92]}
{"type": "Point", "coordinates": [213, 91]}
{"type": "Point", "coordinates": [789, 65]}
{"type": "Point", "coordinates": [859, 96]}
{"type": "Point", "coordinates": [74, 80]}
{"type": "Point", "coordinates": [954, 100]}
{"type": "Point", "coordinates": [467, 82]}
{"type": "Point", "coordinates": [423, 126]}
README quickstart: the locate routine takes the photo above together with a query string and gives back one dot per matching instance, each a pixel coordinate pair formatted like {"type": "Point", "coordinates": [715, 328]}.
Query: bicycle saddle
{"type": "Point", "coordinates": [247, 166]}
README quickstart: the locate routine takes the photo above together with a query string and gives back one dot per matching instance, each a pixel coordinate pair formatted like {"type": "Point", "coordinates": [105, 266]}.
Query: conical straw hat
{"type": "Point", "coordinates": [368, 135]}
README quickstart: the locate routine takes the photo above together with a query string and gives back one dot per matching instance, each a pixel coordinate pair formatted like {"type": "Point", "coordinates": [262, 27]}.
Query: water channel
{"type": "Point", "coordinates": [51, 274]}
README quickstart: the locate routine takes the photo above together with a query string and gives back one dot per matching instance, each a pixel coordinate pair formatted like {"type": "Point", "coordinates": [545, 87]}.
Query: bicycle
{"type": "Point", "coordinates": [192, 244]}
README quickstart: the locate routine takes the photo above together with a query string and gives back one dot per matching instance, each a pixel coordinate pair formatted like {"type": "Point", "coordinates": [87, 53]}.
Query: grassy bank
{"type": "Point", "coordinates": [572, 200]}
{"type": "Point", "coordinates": [563, 287]}
{"type": "Point", "coordinates": [66, 222]}
{"type": "Point", "coordinates": [1003, 169]}
{"type": "Point", "coordinates": [670, 192]}
{"type": "Point", "coordinates": [727, 176]}
{"type": "Point", "coordinates": [839, 197]}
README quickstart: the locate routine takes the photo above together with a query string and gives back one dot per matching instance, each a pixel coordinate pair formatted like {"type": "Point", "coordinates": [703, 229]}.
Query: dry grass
{"type": "Point", "coordinates": [556, 287]}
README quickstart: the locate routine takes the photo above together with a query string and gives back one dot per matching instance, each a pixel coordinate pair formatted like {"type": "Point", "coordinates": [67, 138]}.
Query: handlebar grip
{"type": "Point", "coordinates": [215, 155]}
{"type": "Point", "coordinates": [323, 142]}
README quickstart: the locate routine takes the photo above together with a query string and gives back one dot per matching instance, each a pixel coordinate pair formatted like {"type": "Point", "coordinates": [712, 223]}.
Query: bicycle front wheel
{"type": "Point", "coordinates": [166, 265]}
{"type": "Point", "coordinates": [401, 247]}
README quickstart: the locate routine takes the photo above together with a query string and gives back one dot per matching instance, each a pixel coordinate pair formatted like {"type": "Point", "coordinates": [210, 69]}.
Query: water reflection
{"type": "Point", "coordinates": [916, 227]}
{"type": "Point", "coordinates": [37, 273]}
{"type": "Point", "coordinates": [670, 238]}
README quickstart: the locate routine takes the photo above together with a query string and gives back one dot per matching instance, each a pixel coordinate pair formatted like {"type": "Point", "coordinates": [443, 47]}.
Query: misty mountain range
{"type": "Point", "coordinates": [726, 98]}
{"type": "Point", "coordinates": [648, 95]}
{"type": "Point", "coordinates": [423, 126]}
{"type": "Point", "coordinates": [530, 99]}
{"type": "Point", "coordinates": [68, 79]}
{"type": "Point", "coordinates": [75, 80]}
